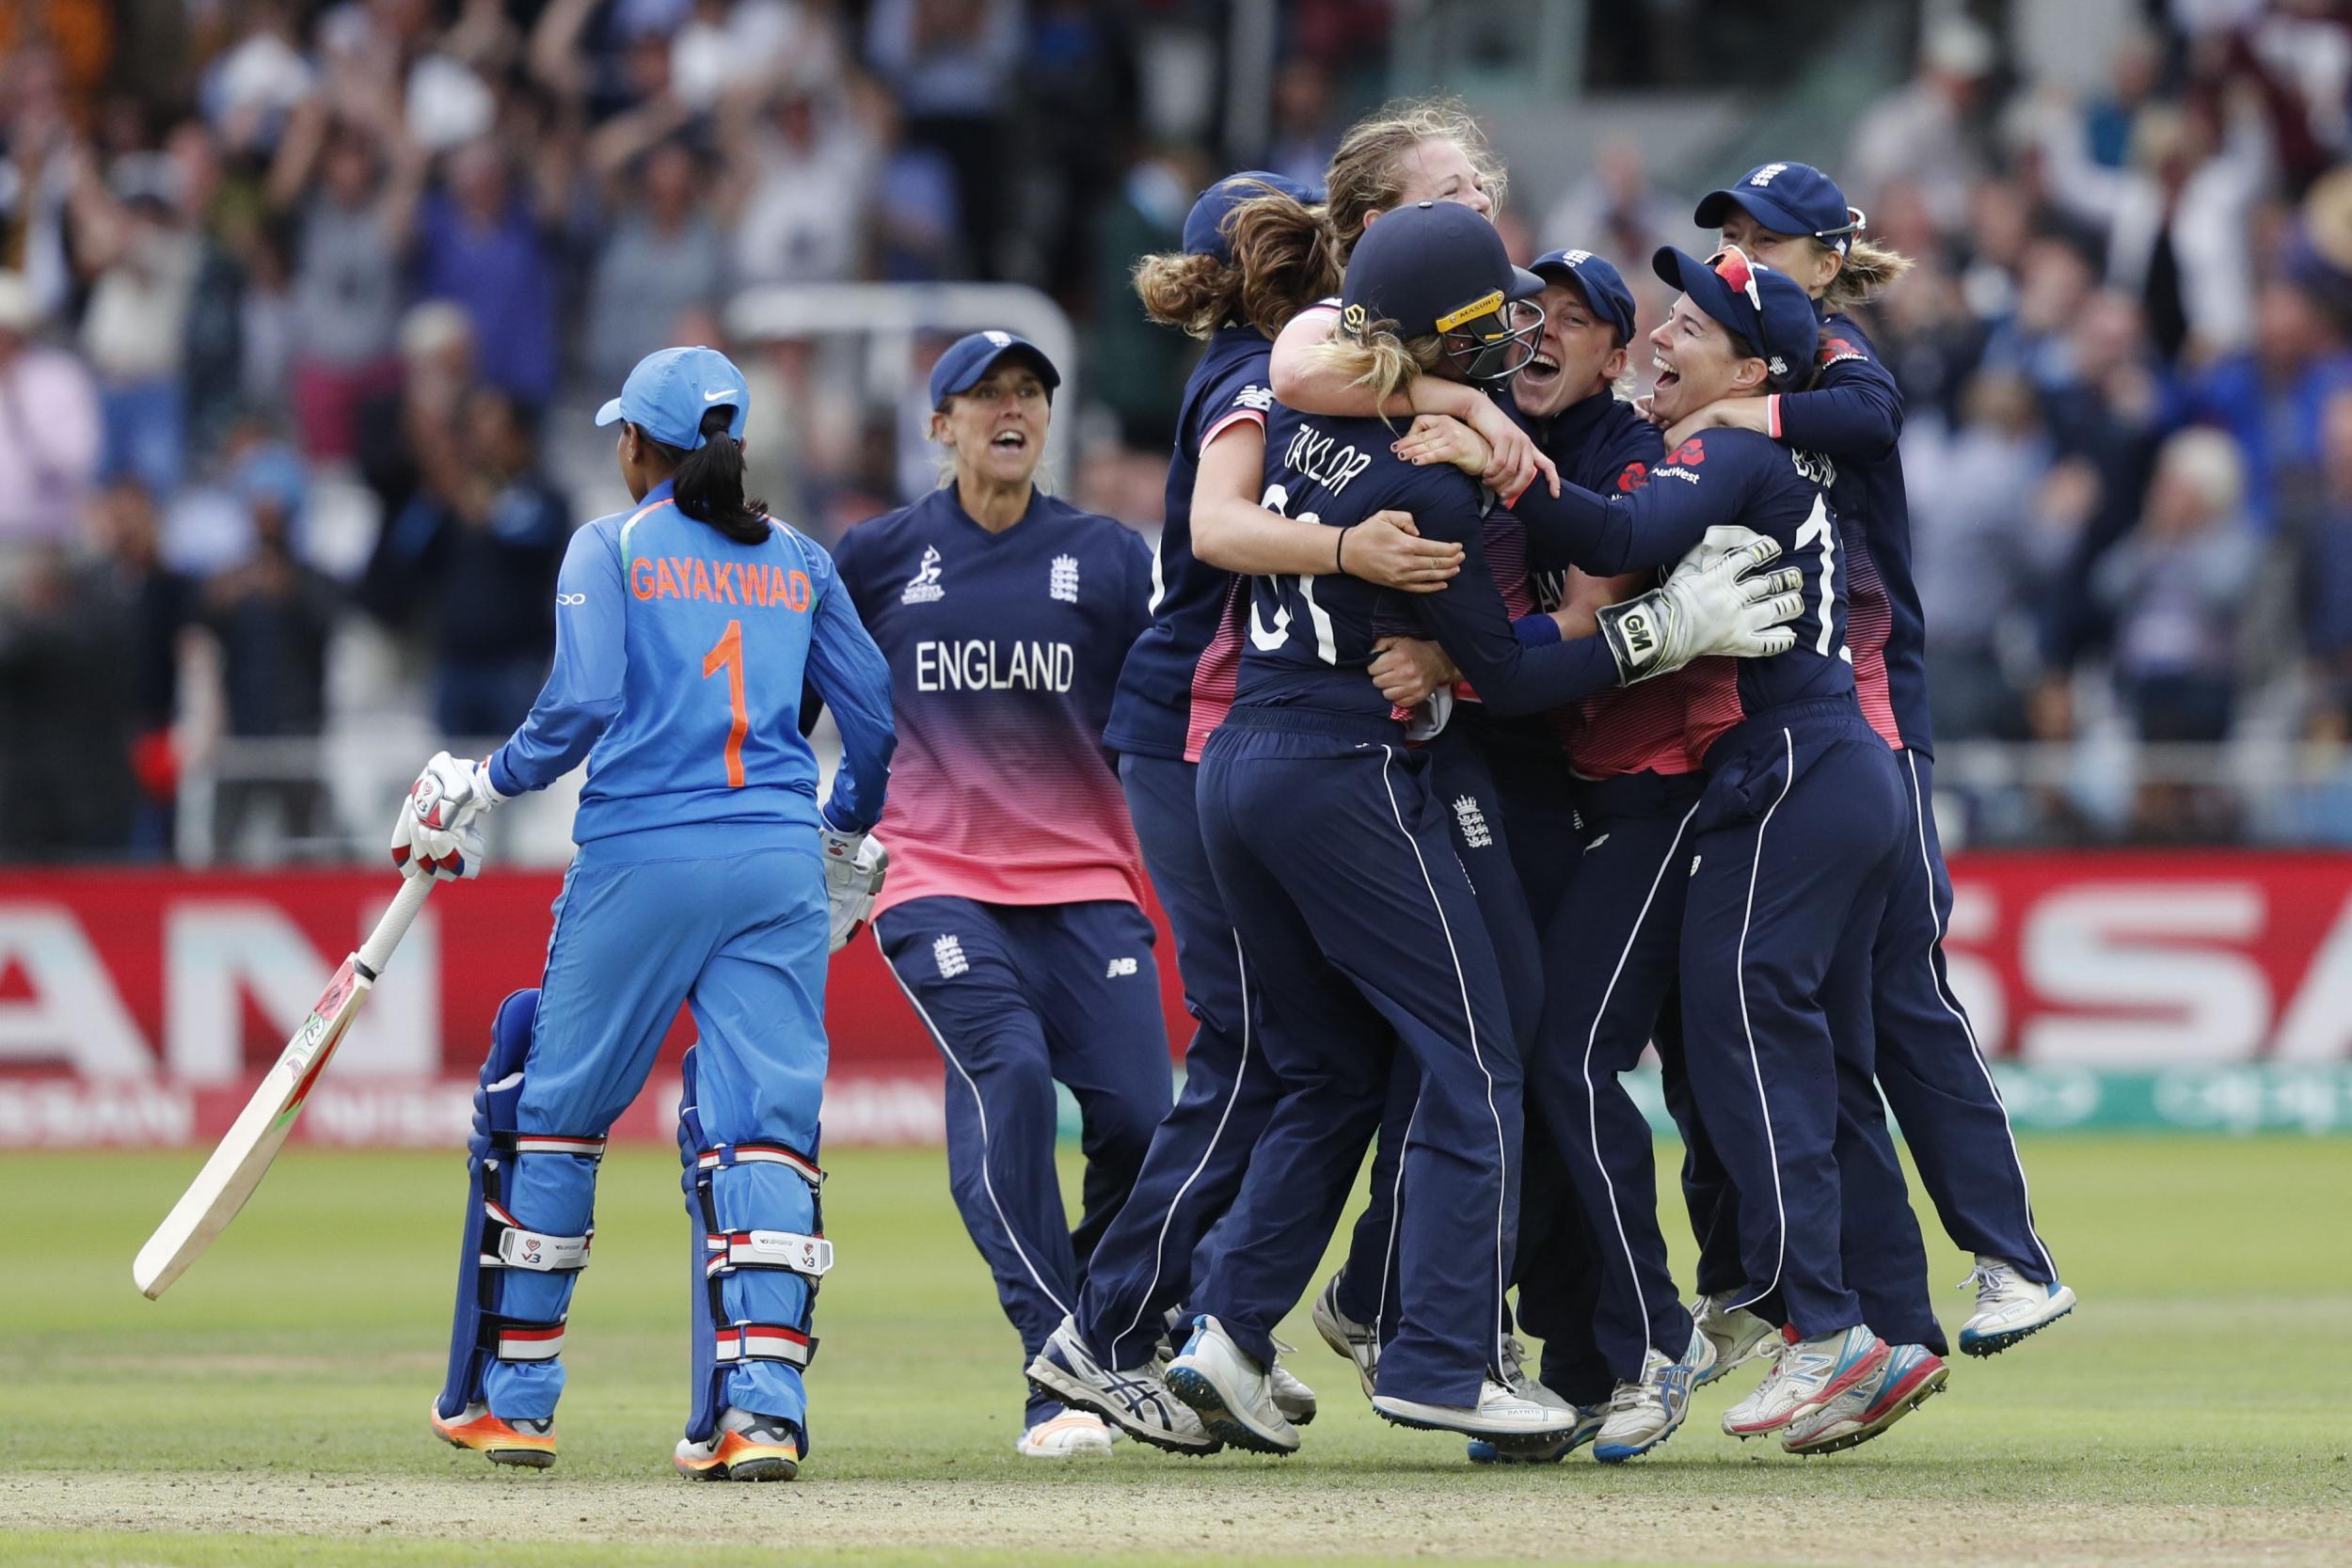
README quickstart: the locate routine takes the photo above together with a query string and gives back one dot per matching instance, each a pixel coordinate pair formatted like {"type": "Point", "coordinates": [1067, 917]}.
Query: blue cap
{"type": "Point", "coordinates": [1204, 226]}
{"type": "Point", "coordinates": [1430, 267]}
{"type": "Point", "coordinates": [1786, 199]}
{"type": "Point", "coordinates": [1769, 309]}
{"type": "Point", "coordinates": [968, 359]}
{"type": "Point", "coordinates": [666, 395]}
{"type": "Point", "coordinates": [1601, 285]}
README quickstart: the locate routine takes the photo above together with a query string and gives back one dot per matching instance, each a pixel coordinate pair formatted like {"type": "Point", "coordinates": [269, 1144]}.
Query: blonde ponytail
{"type": "Point", "coordinates": [1868, 270]}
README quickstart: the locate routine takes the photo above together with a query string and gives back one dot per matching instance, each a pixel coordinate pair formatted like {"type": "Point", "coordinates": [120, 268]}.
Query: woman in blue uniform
{"type": "Point", "coordinates": [1234, 286]}
{"type": "Point", "coordinates": [1013, 918]}
{"type": "Point", "coordinates": [1794, 218]}
{"type": "Point", "coordinates": [685, 631]}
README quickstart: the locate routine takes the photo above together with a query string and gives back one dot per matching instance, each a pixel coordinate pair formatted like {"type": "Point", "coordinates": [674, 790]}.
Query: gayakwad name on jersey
{"type": "Point", "coordinates": [981, 664]}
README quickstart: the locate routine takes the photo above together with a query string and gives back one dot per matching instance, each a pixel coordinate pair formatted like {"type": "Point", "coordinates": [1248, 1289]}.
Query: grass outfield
{"type": "Point", "coordinates": [271, 1409]}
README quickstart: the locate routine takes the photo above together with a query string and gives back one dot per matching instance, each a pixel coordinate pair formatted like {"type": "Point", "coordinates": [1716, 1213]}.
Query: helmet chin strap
{"type": "Point", "coordinates": [1489, 358]}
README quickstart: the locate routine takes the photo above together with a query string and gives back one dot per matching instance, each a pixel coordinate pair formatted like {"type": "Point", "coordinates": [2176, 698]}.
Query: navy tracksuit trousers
{"type": "Point", "coordinates": [1017, 997]}
{"type": "Point", "coordinates": [1146, 1262]}
{"type": "Point", "coordinates": [1333, 855]}
{"type": "Point", "coordinates": [1466, 768]}
{"type": "Point", "coordinates": [1611, 955]}
{"type": "Point", "coordinates": [1928, 1069]}
{"type": "Point", "coordinates": [1793, 845]}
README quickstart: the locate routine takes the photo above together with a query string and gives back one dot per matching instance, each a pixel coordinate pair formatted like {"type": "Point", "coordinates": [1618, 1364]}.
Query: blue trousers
{"type": "Point", "coordinates": [1793, 845]}
{"type": "Point", "coordinates": [1469, 762]}
{"type": "Point", "coordinates": [742, 944]}
{"type": "Point", "coordinates": [1333, 856]}
{"type": "Point", "coordinates": [1146, 1260]}
{"type": "Point", "coordinates": [1929, 1067]}
{"type": "Point", "coordinates": [1019, 997]}
{"type": "Point", "coordinates": [1612, 953]}
{"type": "Point", "coordinates": [1929, 1071]}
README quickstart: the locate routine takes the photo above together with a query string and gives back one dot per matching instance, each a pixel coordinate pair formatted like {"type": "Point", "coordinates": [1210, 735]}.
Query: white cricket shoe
{"type": "Point", "coordinates": [1231, 1390]}
{"type": "Point", "coordinates": [1912, 1373]}
{"type": "Point", "coordinates": [1502, 1412]}
{"type": "Point", "coordinates": [1072, 1435]}
{"type": "Point", "coordinates": [1358, 1342]}
{"type": "Point", "coordinates": [1735, 1335]}
{"type": "Point", "coordinates": [1543, 1451]}
{"type": "Point", "coordinates": [1292, 1397]}
{"type": "Point", "coordinates": [1808, 1374]}
{"type": "Point", "coordinates": [1644, 1414]}
{"type": "Point", "coordinates": [1136, 1402]}
{"type": "Point", "coordinates": [2009, 1306]}
{"type": "Point", "coordinates": [1523, 1383]}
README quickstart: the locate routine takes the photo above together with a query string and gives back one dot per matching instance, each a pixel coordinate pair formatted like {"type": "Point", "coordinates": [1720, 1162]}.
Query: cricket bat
{"type": "Point", "coordinates": [260, 1131]}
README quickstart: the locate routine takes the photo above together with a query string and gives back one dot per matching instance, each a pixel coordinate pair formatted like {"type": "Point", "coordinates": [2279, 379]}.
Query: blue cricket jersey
{"type": "Point", "coordinates": [1154, 710]}
{"type": "Point", "coordinates": [679, 661]}
{"type": "Point", "coordinates": [1309, 639]}
{"type": "Point", "coordinates": [1852, 415]}
{"type": "Point", "coordinates": [1721, 478]}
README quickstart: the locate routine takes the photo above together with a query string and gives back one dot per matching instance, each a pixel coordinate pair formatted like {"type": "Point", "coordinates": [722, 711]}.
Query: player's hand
{"type": "Point", "coordinates": [1407, 670]}
{"type": "Point", "coordinates": [1432, 439]}
{"type": "Point", "coordinates": [855, 864]}
{"type": "Point", "coordinates": [1386, 550]}
{"type": "Point", "coordinates": [1646, 406]}
{"type": "Point", "coordinates": [1727, 604]}
{"type": "Point", "coordinates": [438, 832]}
{"type": "Point", "coordinates": [1517, 462]}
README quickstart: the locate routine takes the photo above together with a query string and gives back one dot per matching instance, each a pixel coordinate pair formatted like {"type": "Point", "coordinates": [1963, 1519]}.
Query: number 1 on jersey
{"type": "Point", "coordinates": [728, 653]}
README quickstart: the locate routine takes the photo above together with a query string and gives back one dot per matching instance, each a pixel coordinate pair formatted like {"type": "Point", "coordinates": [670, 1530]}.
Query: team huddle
{"type": "Point", "coordinates": [1478, 729]}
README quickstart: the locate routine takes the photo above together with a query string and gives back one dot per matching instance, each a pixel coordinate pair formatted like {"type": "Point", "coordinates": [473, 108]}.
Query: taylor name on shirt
{"type": "Point", "coordinates": [1323, 459]}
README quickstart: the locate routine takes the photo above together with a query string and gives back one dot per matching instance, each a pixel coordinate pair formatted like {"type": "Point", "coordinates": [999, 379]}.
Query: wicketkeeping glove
{"type": "Point", "coordinates": [855, 864]}
{"type": "Point", "coordinates": [438, 832]}
{"type": "Point", "coordinates": [1708, 606]}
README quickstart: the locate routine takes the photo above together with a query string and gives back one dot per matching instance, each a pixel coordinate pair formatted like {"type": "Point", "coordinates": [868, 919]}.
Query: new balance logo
{"type": "Point", "coordinates": [949, 953]}
{"type": "Point", "coordinates": [1062, 581]}
{"type": "Point", "coordinates": [1255, 396]}
{"type": "Point", "coordinates": [1473, 821]}
{"type": "Point", "coordinates": [922, 587]}
{"type": "Point", "coordinates": [1121, 969]}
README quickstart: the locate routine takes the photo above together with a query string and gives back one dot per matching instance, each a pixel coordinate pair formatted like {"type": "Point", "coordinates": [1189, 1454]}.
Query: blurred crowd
{"type": "Point", "coordinates": [302, 306]}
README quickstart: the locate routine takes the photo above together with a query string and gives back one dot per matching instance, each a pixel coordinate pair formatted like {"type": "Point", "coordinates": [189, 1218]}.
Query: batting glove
{"type": "Point", "coordinates": [855, 864]}
{"type": "Point", "coordinates": [438, 832]}
{"type": "Point", "coordinates": [1709, 606]}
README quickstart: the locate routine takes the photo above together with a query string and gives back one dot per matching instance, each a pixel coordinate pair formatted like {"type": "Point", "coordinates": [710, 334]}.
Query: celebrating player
{"type": "Point", "coordinates": [1233, 289]}
{"type": "Point", "coordinates": [1334, 859]}
{"type": "Point", "coordinates": [1014, 916]}
{"type": "Point", "coordinates": [685, 631]}
{"type": "Point", "coordinates": [1793, 217]}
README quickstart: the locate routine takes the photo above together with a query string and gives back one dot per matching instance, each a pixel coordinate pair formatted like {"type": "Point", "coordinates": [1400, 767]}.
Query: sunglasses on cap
{"type": "Point", "coordinates": [1731, 264]}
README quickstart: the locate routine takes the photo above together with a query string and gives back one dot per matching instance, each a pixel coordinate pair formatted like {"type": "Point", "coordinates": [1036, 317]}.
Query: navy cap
{"type": "Point", "coordinates": [666, 395]}
{"type": "Point", "coordinates": [1786, 199]}
{"type": "Point", "coordinates": [1600, 283]}
{"type": "Point", "coordinates": [969, 359]}
{"type": "Point", "coordinates": [1769, 309]}
{"type": "Point", "coordinates": [1204, 226]}
{"type": "Point", "coordinates": [1430, 267]}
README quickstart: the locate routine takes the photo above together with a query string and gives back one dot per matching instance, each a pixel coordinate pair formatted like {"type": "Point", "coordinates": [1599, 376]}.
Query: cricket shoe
{"type": "Point", "coordinates": [1137, 1402]}
{"type": "Point", "coordinates": [1542, 1450]}
{"type": "Point", "coordinates": [1646, 1412]}
{"type": "Point", "coordinates": [1810, 1374]}
{"type": "Point", "coordinates": [1734, 1334]}
{"type": "Point", "coordinates": [1070, 1434]}
{"type": "Point", "coordinates": [1912, 1373]}
{"type": "Point", "coordinates": [747, 1446]}
{"type": "Point", "coordinates": [1358, 1342]}
{"type": "Point", "coordinates": [1502, 1415]}
{"type": "Point", "coordinates": [1233, 1393]}
{"type": "Point", "coordinates": [1292, 1398]}
{"type": "Point", "coordinates": [522, 1441]}
{"type": "Point", "coordinates": [2009, 1306]}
